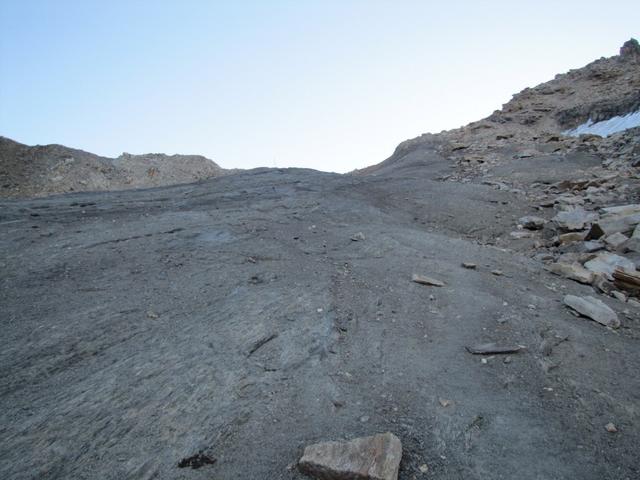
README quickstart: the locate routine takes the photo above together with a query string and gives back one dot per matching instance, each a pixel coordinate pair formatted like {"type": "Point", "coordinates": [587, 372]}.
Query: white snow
{"type": "Point", "coordinates": [606, 127]}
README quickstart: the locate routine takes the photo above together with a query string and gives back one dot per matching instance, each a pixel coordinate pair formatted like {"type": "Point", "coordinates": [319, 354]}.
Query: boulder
{"type": "Point", "coordinates": [366, 458]}
{"type": "Point", "coordinates": [594, 309]}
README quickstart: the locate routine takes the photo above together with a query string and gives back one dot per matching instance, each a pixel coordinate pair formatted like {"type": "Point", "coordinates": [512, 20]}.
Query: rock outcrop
{"type": "Point", "coordinates": [366, 458]}
{"type": "Point", "coordinates": [42, 170]}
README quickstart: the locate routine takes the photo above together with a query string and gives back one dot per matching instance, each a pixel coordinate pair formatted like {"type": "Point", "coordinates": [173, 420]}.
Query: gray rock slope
{"type": "Point", "coordinates": [214, 329]}
{"type": "Point", "coordinates": [236, 320]}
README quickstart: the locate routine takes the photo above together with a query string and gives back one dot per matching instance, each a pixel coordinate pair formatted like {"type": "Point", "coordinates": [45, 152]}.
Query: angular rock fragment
{"type": "Point", "coordinates": [627, 280]}
{"type": "Point", "coordinates": [531, 222]}
{"type": "Point", "coordinates": [572, 271]}
{"type": "Point", "coordinates": [366, 458]}
{"type": "Point", "coordinates": [616, 240]}
{"type": "Point", "coordinates": [491, 348]}
{"type": "Point", "coordinates": [574, 219]}
{"type": "Point", "coordinates": [623, 209]}
{"type": "Point", "coordinates": [613, 224]}
{"type": "Point", "coordinates": [469, 265]}
{"type": "Point", "coordinates": [570, 237]}
{"type": "Point", "coordinates": [593, 246]}
{"type": "Point", "coordinates": [611, 428]}
{"type": "Point", "coordinates": [605, 263]}
{"type": "Point", "coordinates": [594, 309]}
{"type": "Point", "coordinates": [424, 280]}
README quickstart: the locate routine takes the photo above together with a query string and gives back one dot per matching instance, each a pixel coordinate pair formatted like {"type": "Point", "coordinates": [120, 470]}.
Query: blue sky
{"type": "Point", "coordinates": [331, 85]}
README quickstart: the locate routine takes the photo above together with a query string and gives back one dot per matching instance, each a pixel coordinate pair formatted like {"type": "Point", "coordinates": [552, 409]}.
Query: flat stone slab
{"type": "Point", "coordinates": [605, 263]}
{"type": "Point", "coordinates": [365, 458]}
{"type": "Point", "coordinates": [594, 309]}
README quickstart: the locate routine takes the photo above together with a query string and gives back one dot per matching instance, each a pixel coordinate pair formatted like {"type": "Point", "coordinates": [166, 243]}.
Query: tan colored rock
{"type": "Point", "coordinates": [366, 458]}
{"type": "Point", "coordinates": [594, 309]}
{"type": "Point", "coordinates": [570, 237]}
{"type": "Point", "coordinates": [572, 271]}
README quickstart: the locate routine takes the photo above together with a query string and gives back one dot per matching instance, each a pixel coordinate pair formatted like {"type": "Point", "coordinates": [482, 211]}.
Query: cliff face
{"type": "Point", "coordinates": [27, 171]}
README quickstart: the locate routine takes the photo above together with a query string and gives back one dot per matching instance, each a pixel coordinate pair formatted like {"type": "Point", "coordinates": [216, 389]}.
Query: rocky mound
{"type": "Point", "coordinates": [536, 120]}
{"type": "Point", "coordinates": [27, 171]}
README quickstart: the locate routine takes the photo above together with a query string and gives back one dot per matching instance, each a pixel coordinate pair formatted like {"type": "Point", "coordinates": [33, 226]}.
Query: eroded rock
{"type": "Point", "coordinates": [366, 458]}
{"type": "Point", "coordinates": [572, 271]}
{"type": "Point", "coordinates": [574, 219]}
{"type": "Point", "coordinates": [606, 263]}
{"type": "Point", "coordinates": [594, 309]}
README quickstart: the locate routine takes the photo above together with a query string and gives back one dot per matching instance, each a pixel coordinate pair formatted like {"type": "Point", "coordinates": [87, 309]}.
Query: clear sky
{"type": "Point", "coordinates": [332, 85]}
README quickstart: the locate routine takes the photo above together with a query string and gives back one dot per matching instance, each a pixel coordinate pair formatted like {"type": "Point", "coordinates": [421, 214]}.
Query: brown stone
{"type": "Point", "coordinates": [366, 458]}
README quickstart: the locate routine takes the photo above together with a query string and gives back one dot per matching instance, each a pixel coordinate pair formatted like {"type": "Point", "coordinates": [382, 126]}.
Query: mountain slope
{"type": "Point", "coordinates": [44, 170]}
{"type": "Point", "coordinates": [240, 318]}
{"type": "Point", "coordinates": [534, 120]}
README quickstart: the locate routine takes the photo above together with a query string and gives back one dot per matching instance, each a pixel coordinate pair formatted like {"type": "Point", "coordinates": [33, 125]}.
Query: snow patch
{"type": "Point", "coordinates": [606, 127]}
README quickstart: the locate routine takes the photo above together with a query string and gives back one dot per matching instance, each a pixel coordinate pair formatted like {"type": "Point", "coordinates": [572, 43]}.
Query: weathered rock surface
{"type": "Point", "coordinates": [424, 280]}
{"type": "Point", "coordinates": [573, 271]}
{"type": "Point", "coordinates": [367, 458]}
{"type": "Point", "coordinates": [574, 219]}
{"type": "Point", "coordinates": [606, 263]}
{"type": "Point", "coordinates": [594, 309]}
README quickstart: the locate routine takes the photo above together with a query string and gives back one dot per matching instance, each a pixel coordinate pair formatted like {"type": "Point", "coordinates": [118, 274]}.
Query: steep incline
{"type": "Point", "coordinates": [241, 318]}
{"type": "Point", "coordinates": [533, 122]}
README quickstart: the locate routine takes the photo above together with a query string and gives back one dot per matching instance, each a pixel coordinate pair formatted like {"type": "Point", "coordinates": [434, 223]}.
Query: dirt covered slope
{"type": "Point", "coordinates": [36, 171]}
{"type": "Point", "coordinates": [215, 329]}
